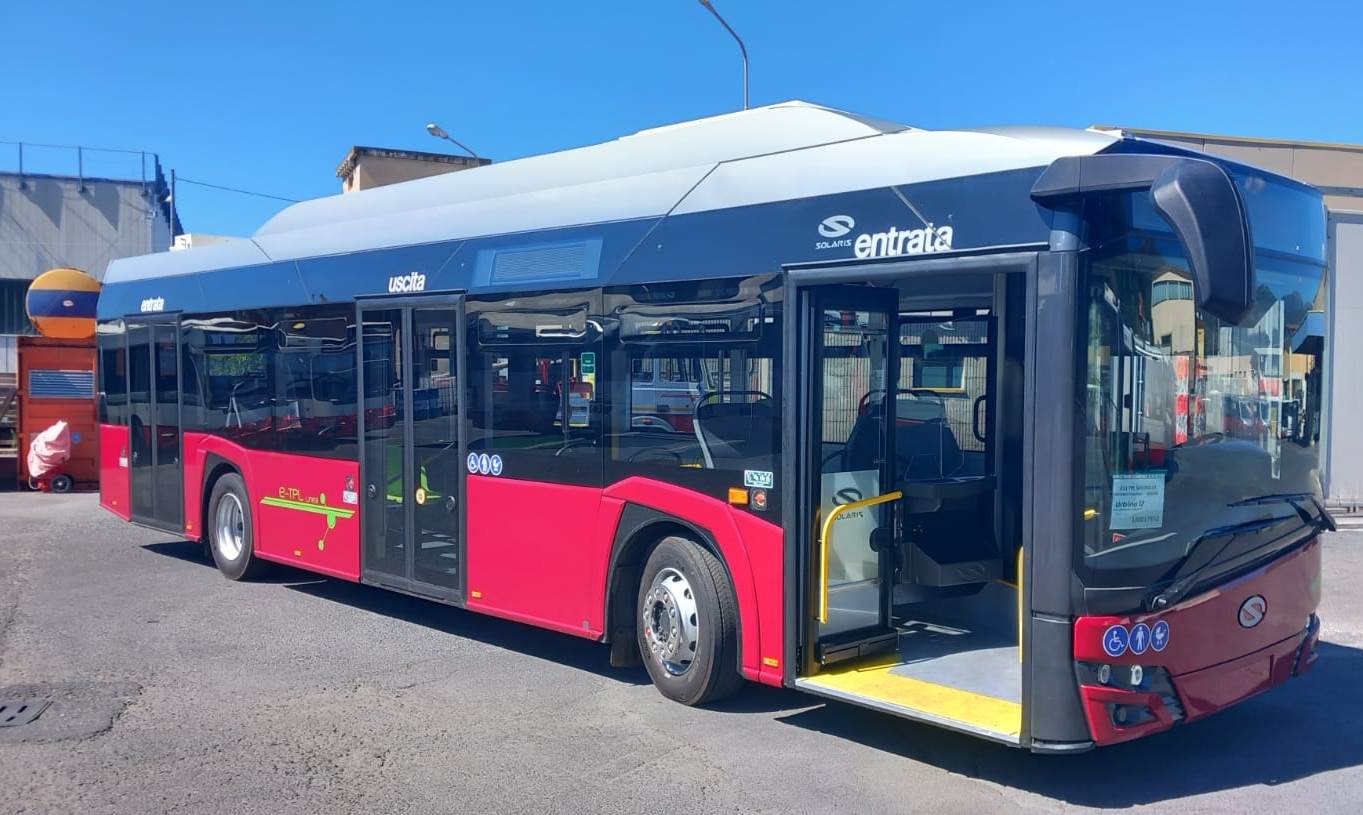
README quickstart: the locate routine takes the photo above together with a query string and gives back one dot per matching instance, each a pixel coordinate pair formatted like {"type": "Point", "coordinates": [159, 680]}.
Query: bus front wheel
{"type": "Point", "coordinates": [229, 529]}
{"type": "Point", "coordinates": [688, 623]}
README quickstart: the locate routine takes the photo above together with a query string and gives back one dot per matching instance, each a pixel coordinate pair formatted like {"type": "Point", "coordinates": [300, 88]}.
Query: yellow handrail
{"type": "Point", "coordinates": [826, 542]}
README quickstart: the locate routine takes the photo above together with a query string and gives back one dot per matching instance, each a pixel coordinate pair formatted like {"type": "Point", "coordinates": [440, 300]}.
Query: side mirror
{"type": "Point", "coordinates": [1196, 197]}
{"type": "Point", "coordinates": [1201, 204]}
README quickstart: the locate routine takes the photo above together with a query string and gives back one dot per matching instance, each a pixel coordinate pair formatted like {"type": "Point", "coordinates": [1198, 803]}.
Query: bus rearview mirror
{"type": "Point", "coordinates": [1196, 197]}
{"type": "Point", "coordinates": [1199, 201]}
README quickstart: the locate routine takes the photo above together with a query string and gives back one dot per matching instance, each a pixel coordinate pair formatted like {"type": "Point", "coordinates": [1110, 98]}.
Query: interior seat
{"type": "Point", "coordinates": [924, 442]}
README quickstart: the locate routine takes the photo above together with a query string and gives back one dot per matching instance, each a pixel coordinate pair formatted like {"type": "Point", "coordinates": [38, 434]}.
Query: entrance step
{"type": "Point", "coordinates": [833, 650]}
{"type": "Point", "coordinates": [958, 665]}
{"type": "Point", "coordinates": [876, 683]}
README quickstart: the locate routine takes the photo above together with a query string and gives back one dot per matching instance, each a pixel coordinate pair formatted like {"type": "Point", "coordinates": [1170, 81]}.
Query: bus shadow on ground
{"type": "Point", "coordinates": [194, 552]}
{"type": "Point", "coordinates": [577, 653]}
{"type": "Point", "coordinates": [1306, 727]}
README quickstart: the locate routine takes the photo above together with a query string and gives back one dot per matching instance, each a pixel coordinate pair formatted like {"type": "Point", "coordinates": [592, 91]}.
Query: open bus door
{"type": "Point", "coordinates": [854, 363]}
{"type": "Point", "coordinates": [911, 596]}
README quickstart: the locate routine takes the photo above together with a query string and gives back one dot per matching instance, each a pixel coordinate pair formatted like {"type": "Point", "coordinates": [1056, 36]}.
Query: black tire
{"type": "Point", "coordinates": [713, 670]}
{"type": "Point", "coordinates": [61, 483]}
{"type": "Point", "coordinates": [245, 565]}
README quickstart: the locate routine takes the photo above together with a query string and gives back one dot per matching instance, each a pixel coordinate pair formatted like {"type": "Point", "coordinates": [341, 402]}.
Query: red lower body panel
{"type": "Point", "coordinates": [540, 553]}
{"type": "Point", "coordinates": [305, 509]}
{"type": "Point", "coordinates": [535, 552]}
{"type": "Point", "coordinates": [114, 492]}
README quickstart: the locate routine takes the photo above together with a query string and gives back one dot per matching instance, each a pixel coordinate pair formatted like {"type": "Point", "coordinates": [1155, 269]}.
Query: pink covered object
{"type": "Point", "coordinates": [50, 449]}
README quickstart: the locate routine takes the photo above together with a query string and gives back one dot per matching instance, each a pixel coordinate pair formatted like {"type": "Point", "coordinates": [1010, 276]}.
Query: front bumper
{"type": "Point", "coordinates": [1203, 654]}
{"type": "Point", "coordinates": [1119, 714]}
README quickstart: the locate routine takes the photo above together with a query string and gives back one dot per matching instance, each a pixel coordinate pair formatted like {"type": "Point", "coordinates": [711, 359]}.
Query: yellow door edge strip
{"type": "Point", "coordinates": [1021, 610]}
{"type": "Point", "coordinates": [826, 541]}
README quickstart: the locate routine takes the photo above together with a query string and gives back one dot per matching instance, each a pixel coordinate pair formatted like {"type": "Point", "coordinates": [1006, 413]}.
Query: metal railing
{"type": "Point", "coordinates": [35, 159]}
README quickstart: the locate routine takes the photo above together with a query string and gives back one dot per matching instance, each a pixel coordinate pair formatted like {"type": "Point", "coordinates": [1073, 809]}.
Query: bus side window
{"type": "Point", "coordinates": [539, 410]}
{"type": "Point", "coordinates": [707, 406]}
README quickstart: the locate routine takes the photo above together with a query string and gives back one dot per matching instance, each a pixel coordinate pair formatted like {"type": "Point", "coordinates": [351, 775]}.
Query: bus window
{"type": "Point", "coordinates": [274, 380]}
{"type": "Point", "coordinates": [704, 407]}
{"type": "Point", "coordinates": [536, 403]}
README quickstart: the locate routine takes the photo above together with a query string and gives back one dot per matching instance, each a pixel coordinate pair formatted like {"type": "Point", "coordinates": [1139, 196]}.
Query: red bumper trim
{"type": "Point", "coordinates": [1105, 731]}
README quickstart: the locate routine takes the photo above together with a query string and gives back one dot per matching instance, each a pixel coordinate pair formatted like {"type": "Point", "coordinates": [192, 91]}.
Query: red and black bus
{"type": "Point", "coordinates": [928, 421]}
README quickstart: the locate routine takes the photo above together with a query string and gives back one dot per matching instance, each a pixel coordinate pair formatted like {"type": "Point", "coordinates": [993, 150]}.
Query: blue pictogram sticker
{"type": "Point", "coordinates": [496, 465]}
{"type": "Point", "coordinates": [473, 463]}
{"type": "Point", "coordinates": [1159, 635]}
{"type": "Point", "coordinates": [1140, 638]}
{"type": "Point", "coordinates": [1115, 640]}
{"type": "Point", "coordinates": [484, 464]}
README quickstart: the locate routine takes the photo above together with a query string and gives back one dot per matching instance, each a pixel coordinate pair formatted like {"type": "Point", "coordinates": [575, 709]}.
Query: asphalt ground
{"type": "Point", "coordinates": [175, 690]}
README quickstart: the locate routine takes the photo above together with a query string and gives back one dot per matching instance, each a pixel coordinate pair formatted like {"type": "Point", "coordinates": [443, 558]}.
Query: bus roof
{"type": "Point", "coordinates": [777, 152]}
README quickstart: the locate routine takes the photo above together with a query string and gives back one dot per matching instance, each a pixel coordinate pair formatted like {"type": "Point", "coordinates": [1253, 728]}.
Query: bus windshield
{"type": "Point", "coordinates": [1192, 425]}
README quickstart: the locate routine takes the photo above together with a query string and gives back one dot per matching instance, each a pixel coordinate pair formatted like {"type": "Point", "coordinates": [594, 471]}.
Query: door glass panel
{"type": "Point", "coordinates": [384, 412]}
{"type": "Point", "coordinates": [141, 422]}
{"type": "Point", "coordinates": [435, 436]}
{"type": "Point", "coordinates": [853, 371]}
{"type": "Point", "coordinates": [169, 485]}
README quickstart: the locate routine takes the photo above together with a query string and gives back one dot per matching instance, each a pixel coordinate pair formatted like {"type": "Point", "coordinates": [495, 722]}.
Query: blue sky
{"type": "Point", "coordinates": [269, 96]}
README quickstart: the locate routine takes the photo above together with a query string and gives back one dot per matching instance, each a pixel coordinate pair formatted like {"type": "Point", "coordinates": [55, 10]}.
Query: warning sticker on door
{"type": "Point", "coordinates": [1138, 500]}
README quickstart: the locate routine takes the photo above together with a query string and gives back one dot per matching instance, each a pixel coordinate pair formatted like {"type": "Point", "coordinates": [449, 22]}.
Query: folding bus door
{"type": "Point", "coordinates": [411, 463]}
{"type": "Point", "coordinates": [155, 439]}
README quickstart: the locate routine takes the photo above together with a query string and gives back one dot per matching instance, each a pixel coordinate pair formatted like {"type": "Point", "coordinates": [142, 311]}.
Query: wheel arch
{"type": "Point", "coordinates": [639, 530]}
{"type": "Point", "coordinates": [215, 467]}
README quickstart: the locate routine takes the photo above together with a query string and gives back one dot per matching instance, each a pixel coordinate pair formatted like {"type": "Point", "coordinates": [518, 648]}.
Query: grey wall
{"type": "Point", "coordinates": [50, 222]}
{"type": "Point", "coordinates": [1344, 401]}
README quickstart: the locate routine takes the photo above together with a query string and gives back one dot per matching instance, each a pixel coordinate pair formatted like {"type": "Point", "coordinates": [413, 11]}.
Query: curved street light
{"type": "Point", "coordinates": [439, 132]}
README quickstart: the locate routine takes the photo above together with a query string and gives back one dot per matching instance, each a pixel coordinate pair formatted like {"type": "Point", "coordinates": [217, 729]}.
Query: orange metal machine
{"type": "Point", "coordinates": [57, 383]}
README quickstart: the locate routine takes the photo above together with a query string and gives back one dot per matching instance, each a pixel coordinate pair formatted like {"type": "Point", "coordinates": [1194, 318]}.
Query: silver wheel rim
{"type": "Point", "coordinates": [230, 525]}
{"type": "Point", "coordinates": [670, 621]}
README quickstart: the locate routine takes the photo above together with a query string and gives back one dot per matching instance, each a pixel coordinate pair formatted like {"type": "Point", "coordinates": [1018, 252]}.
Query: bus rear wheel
{"type": "Point", "coordinates": [230, 536]}
{"type": "Point", "coordinates": [688, 623]}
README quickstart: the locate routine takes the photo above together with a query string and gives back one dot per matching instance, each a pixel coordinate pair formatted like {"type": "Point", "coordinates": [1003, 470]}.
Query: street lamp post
{"type": "Point", "coordinates": [742, 48]}
{"type": "Point", "coordinates": [439, 132]}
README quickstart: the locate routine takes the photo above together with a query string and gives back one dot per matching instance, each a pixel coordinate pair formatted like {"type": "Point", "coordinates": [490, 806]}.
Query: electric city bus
{"type": "Point", "coordinates": [931, 422]}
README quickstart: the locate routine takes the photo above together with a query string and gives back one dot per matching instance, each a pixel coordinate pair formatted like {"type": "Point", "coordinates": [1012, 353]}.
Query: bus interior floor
{"type": "Point", "coordinates": [957, 663]}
